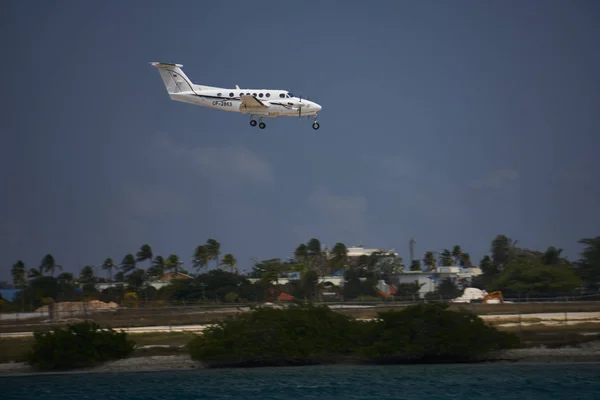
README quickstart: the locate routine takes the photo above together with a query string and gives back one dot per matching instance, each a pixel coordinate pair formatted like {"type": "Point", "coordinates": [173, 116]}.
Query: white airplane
{"type": "Point", "coordinates": [263, 102]}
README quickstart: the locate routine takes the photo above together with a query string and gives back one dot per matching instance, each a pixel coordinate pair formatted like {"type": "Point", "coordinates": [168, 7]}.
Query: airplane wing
{"type": "Point", "coordinates": [252, 102]}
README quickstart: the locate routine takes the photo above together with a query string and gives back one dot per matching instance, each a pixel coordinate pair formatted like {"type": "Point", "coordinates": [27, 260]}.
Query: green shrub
{"type": "Point", "coordinates": [266, 336]}
{"type": "Point", "coordinates": [430, 332]}
{"type": "Point", "coordinates": [310, 335]}
{"type": "Point", "coordinates": [232, 297]}
{"type": "Point", "coordinates": [78, 345]}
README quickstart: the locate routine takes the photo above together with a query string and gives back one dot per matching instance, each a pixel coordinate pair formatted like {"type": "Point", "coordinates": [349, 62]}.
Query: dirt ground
{"type": "Point", "coordinates": [137, 317]}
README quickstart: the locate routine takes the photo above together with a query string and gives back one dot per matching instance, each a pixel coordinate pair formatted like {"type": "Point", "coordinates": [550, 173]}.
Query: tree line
{"type": "Point", "coordinates": [514, 270]}
{"type": "Point", "coordinates": [129, 269]}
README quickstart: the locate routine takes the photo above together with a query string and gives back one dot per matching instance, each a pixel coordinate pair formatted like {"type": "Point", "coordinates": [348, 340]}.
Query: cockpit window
{"type": "Point", "coordinates": [290, 95]}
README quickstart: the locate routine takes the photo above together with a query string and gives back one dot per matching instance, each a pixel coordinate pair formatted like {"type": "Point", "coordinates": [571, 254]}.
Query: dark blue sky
{"type": "Point", "coordinates": [447, 121]}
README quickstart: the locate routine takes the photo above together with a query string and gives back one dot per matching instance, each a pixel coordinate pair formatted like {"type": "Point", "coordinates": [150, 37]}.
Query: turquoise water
{"type": "Point", "coordinates": [431, 382]}
{"type": "Point", "coordinates": [8, 294]}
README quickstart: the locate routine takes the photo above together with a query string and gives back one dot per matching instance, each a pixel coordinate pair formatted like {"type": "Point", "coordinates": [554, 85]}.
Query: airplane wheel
{"type": "Point", "coordinates": [262, 125]}
{"type": "Point", "coordinates": [316, 125]}
{"type": "Point", "coordinates": [252, 122]}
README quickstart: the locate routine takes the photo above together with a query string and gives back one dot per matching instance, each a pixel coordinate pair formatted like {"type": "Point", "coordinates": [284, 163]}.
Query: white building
{"type": "Point", "coordinates": [358, 251]}
{"type": "Point", "coordinates": [431, 279]}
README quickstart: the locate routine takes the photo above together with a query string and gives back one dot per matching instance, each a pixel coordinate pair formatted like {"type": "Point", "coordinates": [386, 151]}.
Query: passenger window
{"type": "Point", "coordinates": [268, 94]}
{"type": "Point", "coordinates": [230, 94]}
{"type": "Point", "coordinates": [241, 94]}
{"type": "Point", "coordinates": [219, 94]}
{"type": "Point", "coordinates": [260, 95]}
{"type": "Point", "coordinates": [282, 95]}
{"type": "Point", "coordinates": [254, 94]}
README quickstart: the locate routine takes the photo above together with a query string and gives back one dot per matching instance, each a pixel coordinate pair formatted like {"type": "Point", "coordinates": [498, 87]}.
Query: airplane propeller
{"type": "Point", "coordinates": [300, 105]}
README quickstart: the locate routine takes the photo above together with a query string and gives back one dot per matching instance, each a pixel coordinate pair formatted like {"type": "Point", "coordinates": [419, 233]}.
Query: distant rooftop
{"type": "Point", "coordinates": [357, 251]}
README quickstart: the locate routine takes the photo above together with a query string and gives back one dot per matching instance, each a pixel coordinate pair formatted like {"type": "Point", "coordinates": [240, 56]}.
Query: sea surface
{"type": "Point", "coordinates": [430, 382]}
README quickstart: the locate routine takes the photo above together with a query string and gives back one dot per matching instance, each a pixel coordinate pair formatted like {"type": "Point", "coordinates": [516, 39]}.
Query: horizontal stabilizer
{"type": "Point", "coordinates": [252, 102]}
{"type": "Point", "coordinates": [158, 64]}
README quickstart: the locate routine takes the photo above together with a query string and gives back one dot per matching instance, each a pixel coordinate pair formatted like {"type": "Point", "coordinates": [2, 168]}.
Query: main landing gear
{"type": "Point", "coordinates": [261, 125]}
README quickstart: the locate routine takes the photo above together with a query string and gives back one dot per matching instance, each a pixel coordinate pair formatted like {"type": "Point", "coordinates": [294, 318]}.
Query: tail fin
{"type": "Point", "coordinates": [173, 77]}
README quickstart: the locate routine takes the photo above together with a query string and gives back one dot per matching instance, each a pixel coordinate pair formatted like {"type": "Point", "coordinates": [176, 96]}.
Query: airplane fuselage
{"type": "Point", "coordinates": [230, 100]}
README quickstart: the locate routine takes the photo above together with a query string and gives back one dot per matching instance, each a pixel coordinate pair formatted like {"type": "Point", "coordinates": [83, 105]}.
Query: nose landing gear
{"type": "Point", "coordinates": [315, 124]}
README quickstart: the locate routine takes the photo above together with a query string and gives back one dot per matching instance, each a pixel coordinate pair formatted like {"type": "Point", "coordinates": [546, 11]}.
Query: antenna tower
{"type": "Point", "coordinates": [411, 246]}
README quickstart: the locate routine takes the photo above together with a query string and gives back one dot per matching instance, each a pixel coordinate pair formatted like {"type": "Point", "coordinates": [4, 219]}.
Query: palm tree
{"type": "Point", "coordinates": [551, 256]}
{"type": "Point", "coordinates": [503, 250]}
{"type": "Point", "coordinates": [268, 271]}
{"type": "Point", "coordinates": [65, 283]}
{"type": "Point", "coordinates": [445, 258]}
{"type": "Point", "coordinates": [86, 275]}
{"type": "Point", "coordinates": [457, 254]}
{"type": "Point", "coordinates": [315, 255]}
{"type": "Point", "coordinates": [155, 272]}
{"type": "Point", "coordinates": [339, 256]}
{"type": "Point", "coordinates": [415, 265]}
{"type": "Point", "coordinates": [229, 259]}
{"type": "Point", "coordinates": [314, 247]}
{"type": "Point", "coordinates": [487, 266]}
{"type": "Point", "coordinates": [159, 262]}
{"type": "Point", "coordinates": [214, 249]}
{"type": "Point", "coordinates": [128, 264]}
{"type": "Point", "coordinates": [588, 266]}
{"type": "Point", "coordinates": [173, 263]}
{"type": "Point", "coordinates": [144, 254]}
{"type": "Point", "coordinates": [465, 260]}
{"type": "Point", "coordinates": [137, 279]}
{"type": "Point", "coordinates": [18, 273]}
{"type": "Point", "coordinates": [429, 260]}
{"type": "Point", "coordinates": [48, 264]}
{"type": "Point", "coordinates": [201, 256]}
{"type": "Point", "coordinates": [301, 253]}
{"type": "Point", "coordinates": [158, 267]}
{"type": "Point", "coordinates": [108, 265]}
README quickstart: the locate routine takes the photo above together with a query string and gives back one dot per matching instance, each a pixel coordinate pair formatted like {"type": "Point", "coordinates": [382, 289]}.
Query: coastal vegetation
{"type": "Point", "coordinates": [516, 271]}
{"type": "Point", "coordinates": [78, 345]}
{"type": "Point", "coordinates": [306, 334]}
{"type": "Point", "coordinates": [300, 334]}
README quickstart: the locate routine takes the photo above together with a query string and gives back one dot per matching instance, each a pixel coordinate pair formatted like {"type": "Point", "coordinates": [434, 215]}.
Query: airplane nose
{"type": "Point", "coordinates": [318, 107]}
